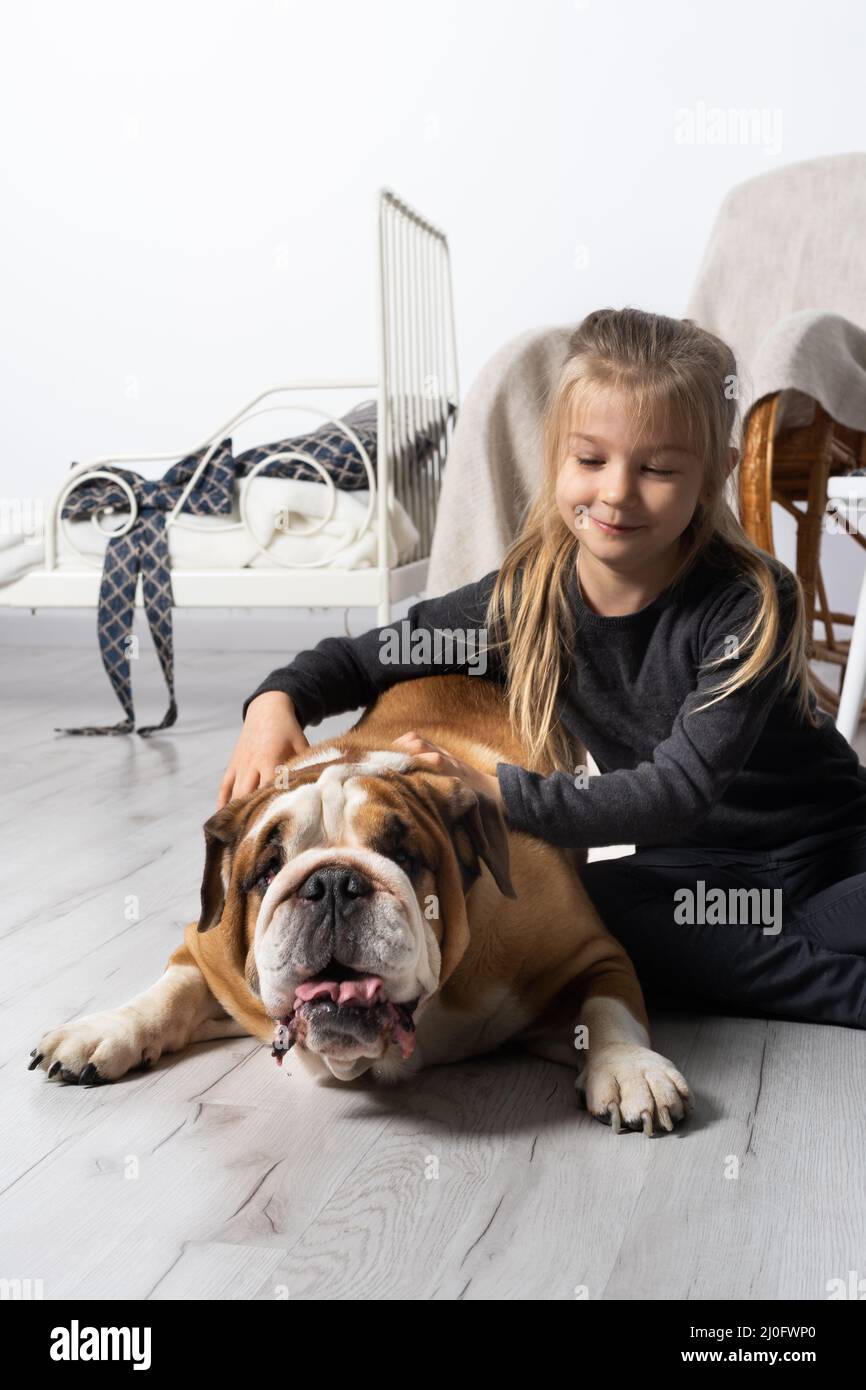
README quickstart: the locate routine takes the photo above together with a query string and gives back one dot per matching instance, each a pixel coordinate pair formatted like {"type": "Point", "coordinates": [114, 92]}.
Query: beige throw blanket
{"type": "Point", "coordinates": [782, 281]}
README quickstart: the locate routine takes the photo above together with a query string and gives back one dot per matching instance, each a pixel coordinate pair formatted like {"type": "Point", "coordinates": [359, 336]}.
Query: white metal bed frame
{"type": "Point", "coordinates": [416, 390]}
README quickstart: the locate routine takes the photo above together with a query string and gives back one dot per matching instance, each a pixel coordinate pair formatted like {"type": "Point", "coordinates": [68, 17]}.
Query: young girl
{"type": "Point", "coordinates": [637, 618]}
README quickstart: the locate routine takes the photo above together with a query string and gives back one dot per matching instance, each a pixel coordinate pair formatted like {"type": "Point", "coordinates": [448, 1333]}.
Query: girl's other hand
{"type": "Point", "coordinates": [270, 735]}
{"type": "Point", "coordinates": [439, 761]}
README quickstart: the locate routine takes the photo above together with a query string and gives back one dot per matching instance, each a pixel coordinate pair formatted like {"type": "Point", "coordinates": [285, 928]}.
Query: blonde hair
{"type": "Point", "coordinates": [687, 374]}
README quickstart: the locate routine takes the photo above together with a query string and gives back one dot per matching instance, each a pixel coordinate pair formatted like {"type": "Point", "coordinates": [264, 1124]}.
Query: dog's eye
{"type": "Point", "coordinates": [405, 858]}
{"type": "Point", "coordinates": [267, 876]}
{"type": "Point", "coordinates": [411, 863]}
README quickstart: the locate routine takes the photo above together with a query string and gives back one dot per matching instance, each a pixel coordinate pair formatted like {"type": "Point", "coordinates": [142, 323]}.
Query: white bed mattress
{"type": "Point", "coordinates": [202, 542]}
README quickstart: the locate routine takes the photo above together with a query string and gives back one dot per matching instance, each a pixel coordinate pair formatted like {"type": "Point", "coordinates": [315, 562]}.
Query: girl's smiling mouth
{"type": "Point", "coordinates": [615, 530]}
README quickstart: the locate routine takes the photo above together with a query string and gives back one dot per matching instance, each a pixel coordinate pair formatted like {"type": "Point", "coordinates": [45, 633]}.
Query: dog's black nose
{"type": "Point", "coordinates": [337, 882]}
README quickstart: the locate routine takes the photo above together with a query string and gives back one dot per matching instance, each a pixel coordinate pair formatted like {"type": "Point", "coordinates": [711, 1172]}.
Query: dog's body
{"type": "Point", "coordinates": [382, 917]}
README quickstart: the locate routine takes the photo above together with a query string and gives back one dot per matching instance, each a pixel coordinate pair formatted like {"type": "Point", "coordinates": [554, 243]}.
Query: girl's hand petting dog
{"type": "Point", "coordinates": [270, 736]}
{"type": "Point", "coordinates": [439, 761]}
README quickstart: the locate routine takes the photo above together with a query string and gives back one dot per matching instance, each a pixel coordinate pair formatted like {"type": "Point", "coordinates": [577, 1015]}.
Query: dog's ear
{"type": "Point", "coordinates": [479, 818]}
{"type": "Point", "coordinates": [477, 828]}
{"type": "Point", "coordinates": [221, 834]}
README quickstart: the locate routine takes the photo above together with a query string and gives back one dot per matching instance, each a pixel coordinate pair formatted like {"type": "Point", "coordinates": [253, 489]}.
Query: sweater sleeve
{"type": "Point", "coordinates": [439, 636]}
{"type": "Point", "coordinates": [660, 800]}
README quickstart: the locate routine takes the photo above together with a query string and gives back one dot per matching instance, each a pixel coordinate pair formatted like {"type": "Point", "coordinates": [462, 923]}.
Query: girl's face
{"type": "Point", "coordinates": [646, 487]}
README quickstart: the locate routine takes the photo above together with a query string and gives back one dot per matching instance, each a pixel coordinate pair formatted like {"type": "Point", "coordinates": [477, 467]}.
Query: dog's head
{"type": "Point", "coordinates": [343, 895]}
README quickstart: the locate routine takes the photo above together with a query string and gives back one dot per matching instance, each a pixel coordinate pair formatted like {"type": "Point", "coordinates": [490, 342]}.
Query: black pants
{"type": "Point", "coordinates": [799, 952]}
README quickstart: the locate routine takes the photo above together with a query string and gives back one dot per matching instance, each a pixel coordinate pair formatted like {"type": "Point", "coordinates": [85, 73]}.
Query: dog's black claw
{"type": "Point", "coordinates": [90, 1076]}
{"type": "Point", "coordinates": [33, 1052]}
{"type": "Point", "coordinates": [36, 1060]}
{"type": "Point", "coordinates": [70, 1076]}
{"type": "Point", "coordinates": [55, 1067]}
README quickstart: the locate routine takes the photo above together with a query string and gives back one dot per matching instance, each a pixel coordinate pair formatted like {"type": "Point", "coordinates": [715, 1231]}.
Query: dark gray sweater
{"type": "Point", "coordinates": [745, 773]}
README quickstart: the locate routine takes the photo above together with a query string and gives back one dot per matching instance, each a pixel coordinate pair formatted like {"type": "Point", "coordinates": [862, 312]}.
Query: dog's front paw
{"type": "Point", "coordinates": [99, 1047]}
{"type": "Point", "coordinates": [630, 1086]}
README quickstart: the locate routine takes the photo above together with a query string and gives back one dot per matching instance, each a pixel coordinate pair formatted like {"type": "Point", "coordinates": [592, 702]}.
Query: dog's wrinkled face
{"type": "Point", "coordinates": [344, 895]}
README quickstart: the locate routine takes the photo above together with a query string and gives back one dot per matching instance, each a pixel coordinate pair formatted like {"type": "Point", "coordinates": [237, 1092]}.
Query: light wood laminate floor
{"type": "Point", "coordinates": [217, 1175]}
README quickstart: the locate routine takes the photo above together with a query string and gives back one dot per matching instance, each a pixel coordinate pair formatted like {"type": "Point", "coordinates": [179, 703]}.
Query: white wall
{"type": "Point", "coordinates": [187, 209]}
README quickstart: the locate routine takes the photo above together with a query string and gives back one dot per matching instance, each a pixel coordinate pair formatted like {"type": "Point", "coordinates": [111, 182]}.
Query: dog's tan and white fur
{"type": "Point", "coordinates": [362, 862]}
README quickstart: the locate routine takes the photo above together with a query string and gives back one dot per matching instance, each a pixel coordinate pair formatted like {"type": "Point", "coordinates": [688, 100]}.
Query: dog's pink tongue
{"type": "Point", "coordinates": [362, 993]}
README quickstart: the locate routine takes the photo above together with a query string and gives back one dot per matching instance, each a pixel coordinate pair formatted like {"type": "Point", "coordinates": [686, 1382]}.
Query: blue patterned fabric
{"type": "Point", "coordinates": [337, 453]}
{"type": "Point", "coordinates": [333, 449]}
{"type": "Point", "coordinates": [144, 548]}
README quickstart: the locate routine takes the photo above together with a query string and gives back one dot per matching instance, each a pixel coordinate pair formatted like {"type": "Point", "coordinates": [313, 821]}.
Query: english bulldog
{"type": "Point", "coordinates": [369, 914]}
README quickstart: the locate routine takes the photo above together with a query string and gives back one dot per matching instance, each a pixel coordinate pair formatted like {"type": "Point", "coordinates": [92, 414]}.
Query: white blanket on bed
{"type": "Point", "coordinates": [203, 542]}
